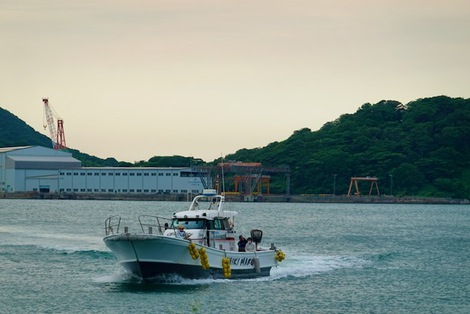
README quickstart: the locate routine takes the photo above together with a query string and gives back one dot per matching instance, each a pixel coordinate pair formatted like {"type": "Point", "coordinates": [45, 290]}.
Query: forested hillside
{"type": "Point", "coordinates": [421, 148]}
{"type": "Point", "coordinates": [15, 132]}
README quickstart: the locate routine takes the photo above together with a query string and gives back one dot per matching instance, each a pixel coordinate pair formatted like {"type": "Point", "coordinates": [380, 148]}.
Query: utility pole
{"type": "Point", "coordinates": [334, 184]}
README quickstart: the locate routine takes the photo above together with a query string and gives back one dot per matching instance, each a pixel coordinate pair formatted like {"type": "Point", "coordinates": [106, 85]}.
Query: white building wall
{"type": "Point", "coordinates": [3, 179]}
{"type": "Point", "coordinates": [166, 186]}
{"type": "Point", "coordinates": [10, 180]}
{"type": "Point", "coordinates": [92, 179]}
{"type": "Point", "coordinates": [79, 181]}
{"type": "Point", "coordinates": [135, 181]}
{"type": "Point", "coordinates": [44, 184]}
{"type": "Point", "coordinates": [19, 182]}
{"type": "Point", "coordinates": [121, 182]}
{"type": "Point", "coordinates": [125, 180]}
{"type": "Point", "coordinates": [107, 181]}
{"type": "Point", "coordinates": [149, 182]}
{"type": "Point", "coordinates": [65, 181]}
{"type": "Point", "coordinates": [36, 180]}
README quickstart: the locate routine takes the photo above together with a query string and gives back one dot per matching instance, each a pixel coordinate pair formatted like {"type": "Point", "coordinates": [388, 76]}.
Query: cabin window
{"type": "Point", "coordinates": [219, 224]}
{"type": "Point", "coordinates": [226, 224]}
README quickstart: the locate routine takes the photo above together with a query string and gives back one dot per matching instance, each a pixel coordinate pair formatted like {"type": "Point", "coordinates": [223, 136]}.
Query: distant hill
{"type": "Point", "coordinates": [417, 149]}
{"type": "Point", "coordinates": [15, 132]}
{"type": "Point", "coordinates": [421, 148]}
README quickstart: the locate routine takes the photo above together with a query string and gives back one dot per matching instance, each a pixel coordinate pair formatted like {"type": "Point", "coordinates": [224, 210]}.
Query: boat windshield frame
{"type": "Point", "coordinates": [189, 223]}
{"type": "Point", "coordinates": [218, 223]}
{"type": "Point", "coordinates": [214, 202]}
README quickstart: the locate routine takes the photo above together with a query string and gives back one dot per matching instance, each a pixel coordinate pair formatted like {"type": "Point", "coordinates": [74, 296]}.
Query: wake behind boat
{"type": "Point", "coordinates": [196, 243]}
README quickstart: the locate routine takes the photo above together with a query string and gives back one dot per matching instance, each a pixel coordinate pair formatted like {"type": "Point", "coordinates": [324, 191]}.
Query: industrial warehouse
{"type": "Point", "coordinates": [44, 170]}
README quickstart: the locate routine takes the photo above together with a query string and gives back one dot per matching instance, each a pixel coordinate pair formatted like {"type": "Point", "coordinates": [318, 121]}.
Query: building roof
{"type": "Point", "coordinates": [42, 162]}
{"type": "Point", "coordinates": [11, 149]}
{"type": "Point", "coordinates": [44, 158]}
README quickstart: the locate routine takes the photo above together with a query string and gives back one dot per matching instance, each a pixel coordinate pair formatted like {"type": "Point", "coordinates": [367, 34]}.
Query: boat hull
{"type": "Point", "coordinates": [154, 256]}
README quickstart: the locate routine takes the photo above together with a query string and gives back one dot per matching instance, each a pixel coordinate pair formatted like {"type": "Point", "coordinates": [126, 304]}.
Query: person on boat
{"type": "Point", "coordinates": [250, 246]}
{"type": "Point", "coordinates": [181, 232]}
{"type": "Point", "coordinates": [241, 244]}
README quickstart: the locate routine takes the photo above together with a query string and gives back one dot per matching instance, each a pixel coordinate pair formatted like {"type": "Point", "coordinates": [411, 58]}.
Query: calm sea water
{"type": "Point", "coordinates": [341, 258]}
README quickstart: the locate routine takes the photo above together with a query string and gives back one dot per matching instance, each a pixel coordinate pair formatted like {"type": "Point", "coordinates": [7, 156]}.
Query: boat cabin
{"type": "Point", "coordinates": [211, 226]}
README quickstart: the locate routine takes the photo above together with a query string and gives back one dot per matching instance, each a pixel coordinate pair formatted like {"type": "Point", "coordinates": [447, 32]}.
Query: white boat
{"type": "Point", "coordinates": [209, 249]}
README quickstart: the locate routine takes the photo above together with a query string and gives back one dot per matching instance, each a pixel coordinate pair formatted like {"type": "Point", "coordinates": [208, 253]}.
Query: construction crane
{"type": "Point", "coordinates": [57, 135]}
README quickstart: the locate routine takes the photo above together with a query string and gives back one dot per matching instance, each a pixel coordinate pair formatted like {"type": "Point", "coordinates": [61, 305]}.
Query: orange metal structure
{"type": "Point", "coordinates": [373, 182]}
{"type": "Point", "coordinates": [247, 180]}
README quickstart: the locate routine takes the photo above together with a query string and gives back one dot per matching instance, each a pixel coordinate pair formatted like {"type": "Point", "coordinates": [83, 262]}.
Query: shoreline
{"type": "Point", "coordinates": [239, 198]}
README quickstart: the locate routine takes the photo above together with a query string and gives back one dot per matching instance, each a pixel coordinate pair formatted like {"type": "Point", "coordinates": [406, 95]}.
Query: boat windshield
{"type": "Point", "coordinates": [188, 223]}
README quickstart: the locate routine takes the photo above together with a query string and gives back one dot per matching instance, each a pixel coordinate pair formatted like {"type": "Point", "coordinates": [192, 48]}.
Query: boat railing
{"type": "Point", "coordinates": [154, 224]}
{"type": "Point", "coordinates": [112, 224]}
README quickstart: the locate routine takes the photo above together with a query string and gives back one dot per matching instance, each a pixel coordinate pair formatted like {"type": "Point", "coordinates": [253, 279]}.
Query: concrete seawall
{"type": "Point", "coordinates": [238, 198]}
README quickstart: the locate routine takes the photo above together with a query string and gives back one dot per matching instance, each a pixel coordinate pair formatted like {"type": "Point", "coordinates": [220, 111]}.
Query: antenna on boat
{"type": "Point", "coordinates": [223, 178]}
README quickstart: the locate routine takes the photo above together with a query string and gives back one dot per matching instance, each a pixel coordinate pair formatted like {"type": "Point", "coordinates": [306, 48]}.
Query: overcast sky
{"type": "Point", "coordinates": [133, 79]}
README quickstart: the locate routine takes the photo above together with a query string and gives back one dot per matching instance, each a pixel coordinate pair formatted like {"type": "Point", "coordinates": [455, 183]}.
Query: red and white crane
{"type": "Point", "coordinates": [57, 135]}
